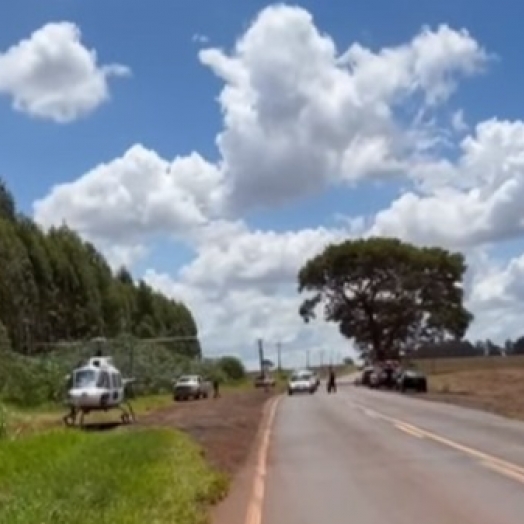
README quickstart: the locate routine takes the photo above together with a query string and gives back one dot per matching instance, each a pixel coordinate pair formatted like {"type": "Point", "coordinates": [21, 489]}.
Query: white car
{"type": "Point", "coordinates": [302, 382]}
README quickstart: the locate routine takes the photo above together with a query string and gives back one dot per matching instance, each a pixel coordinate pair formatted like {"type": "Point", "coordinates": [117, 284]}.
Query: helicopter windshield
{"type": "Point", "coordinates": [85, 378]}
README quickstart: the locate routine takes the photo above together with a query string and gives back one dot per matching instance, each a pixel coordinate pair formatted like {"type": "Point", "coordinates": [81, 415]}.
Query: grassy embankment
{"type": "Point", "coordinates": [50, 475]}
{"type": "Point", "coordinates": [119, 477]}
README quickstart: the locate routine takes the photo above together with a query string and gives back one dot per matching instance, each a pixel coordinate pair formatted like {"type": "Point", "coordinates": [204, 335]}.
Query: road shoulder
{"type": "Point", "coordinates": [234, 508]}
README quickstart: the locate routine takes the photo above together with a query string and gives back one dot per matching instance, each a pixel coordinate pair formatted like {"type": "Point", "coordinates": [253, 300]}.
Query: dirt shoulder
{"type": "Point", "coordinates": [498, 391]}
{"type": "Point", "coordinates": [226, 427]}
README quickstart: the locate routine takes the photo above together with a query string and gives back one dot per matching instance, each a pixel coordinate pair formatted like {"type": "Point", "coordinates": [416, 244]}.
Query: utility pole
{"type": "Point", "coordinates": [279, 356]}
{"type": "Point", "coordinates": [321, 359]}
{"type": "Point", "coordinates": [307, 359]}
{"type": "Point", "coordinates": [261, 355]}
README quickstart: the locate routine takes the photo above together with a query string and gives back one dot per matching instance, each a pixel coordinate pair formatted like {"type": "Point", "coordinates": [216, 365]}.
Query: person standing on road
{"type": "Point", "coordinates": [332, 381]}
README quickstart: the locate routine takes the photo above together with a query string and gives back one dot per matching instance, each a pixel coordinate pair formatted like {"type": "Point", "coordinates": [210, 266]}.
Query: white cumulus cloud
{"type": "Point", "coordinates": [480, 201]}
{"type": "Point", "coordinates": [52, 75]}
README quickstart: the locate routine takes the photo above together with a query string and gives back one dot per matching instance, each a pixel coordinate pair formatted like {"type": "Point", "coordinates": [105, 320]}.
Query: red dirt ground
{"type": "Point", "coordinates": [225, 428]}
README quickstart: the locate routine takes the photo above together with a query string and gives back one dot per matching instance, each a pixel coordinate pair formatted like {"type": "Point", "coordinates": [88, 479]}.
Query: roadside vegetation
{"type": "Point", "coordinates": [115, 478]}
{"type": "Point", "coordinates": [39, 380]}
{"type": "Point", "coordinates": [60, 302]}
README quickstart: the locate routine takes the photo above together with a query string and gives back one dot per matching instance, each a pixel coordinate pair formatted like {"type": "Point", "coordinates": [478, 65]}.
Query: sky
{"type": "Point", "coordinates": [212, 147]}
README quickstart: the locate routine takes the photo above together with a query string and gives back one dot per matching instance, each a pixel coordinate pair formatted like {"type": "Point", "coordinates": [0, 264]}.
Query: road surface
{"type": "Point", "coordinates": [379, 458]}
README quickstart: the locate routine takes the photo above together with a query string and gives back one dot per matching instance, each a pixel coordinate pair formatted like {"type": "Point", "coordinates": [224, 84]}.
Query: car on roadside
{"type": "Point", "coordinates": [191, 386]}
{"type": "Point", "coordinates": [316, 379]}
{"type": "Point", "coordinates": [365, 377]}
{"type": "Point", "coordinates": [265, 381]}
{"type": "Point", "coordinates": [412, 379]}
{"type": "Point", "coordinates": [303, 381]}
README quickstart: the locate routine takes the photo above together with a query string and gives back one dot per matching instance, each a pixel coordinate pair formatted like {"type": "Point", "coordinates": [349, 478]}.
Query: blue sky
{"type": "Point", "coordinates": [169, 103]}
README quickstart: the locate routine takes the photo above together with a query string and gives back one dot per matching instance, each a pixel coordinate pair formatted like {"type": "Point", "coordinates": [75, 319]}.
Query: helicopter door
{"type": "Point", "coordinates": [115, 387]}
{"type": "Point", "coordinates": [104, 382]}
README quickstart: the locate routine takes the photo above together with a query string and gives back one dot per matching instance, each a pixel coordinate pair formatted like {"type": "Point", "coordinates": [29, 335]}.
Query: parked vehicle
{"type": "Point", "coordinates": [264, 381]}
{"type": "Point", "coordinates": [365, 377]}
{"type": "Point", "coordinates": [389, 375]}
{"type": "Point", "coordinates": [191, 386]}
{"type": "Point", "coordinates": [412, 379]}
{"type": "Point", "coordinates": [303, 381]}
{"type": "Point", "coordinates": [316, 379]}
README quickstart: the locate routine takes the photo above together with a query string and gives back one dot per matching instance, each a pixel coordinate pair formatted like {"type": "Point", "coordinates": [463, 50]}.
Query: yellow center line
{"type": "Point", "coordinates": [484, 457]}
{"type": "Point", "coordinates": [409, 430]}
{"type": "Point", "coordinates": [503, 471]}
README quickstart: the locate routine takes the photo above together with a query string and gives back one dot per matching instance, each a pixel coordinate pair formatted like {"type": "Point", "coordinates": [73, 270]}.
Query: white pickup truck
{"type": "Point", "coordinates": [191, 386]}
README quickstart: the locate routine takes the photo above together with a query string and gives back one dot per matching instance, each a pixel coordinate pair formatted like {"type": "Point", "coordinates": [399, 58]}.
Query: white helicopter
{"type": "Point", "coordinates": [97, 386]}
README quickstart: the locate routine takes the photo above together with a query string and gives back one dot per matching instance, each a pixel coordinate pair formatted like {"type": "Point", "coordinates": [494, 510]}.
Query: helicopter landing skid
{"type": "Point", "coordinates": [127, 416]}
{"type": "Point", "coordinates": [70, 418]}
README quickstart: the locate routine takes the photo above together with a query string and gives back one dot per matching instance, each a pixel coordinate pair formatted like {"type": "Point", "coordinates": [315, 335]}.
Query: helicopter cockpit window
{"type": "Point", "coordinates": [84, 378]}
{"type": "Point", "coordinates": [103, 380]}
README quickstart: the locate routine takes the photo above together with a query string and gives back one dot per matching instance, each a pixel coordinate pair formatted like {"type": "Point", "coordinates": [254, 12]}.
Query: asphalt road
{"type": "Point", "coordinates": [379, 458]}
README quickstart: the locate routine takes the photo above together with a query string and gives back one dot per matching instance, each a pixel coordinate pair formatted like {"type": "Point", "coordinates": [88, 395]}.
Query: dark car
{"type": "Point", "coordinates": [365, 378]}
{"type": "Point", "coordinates": [388, 376]}
{"type": "Point", "coordinates": [412, 379]}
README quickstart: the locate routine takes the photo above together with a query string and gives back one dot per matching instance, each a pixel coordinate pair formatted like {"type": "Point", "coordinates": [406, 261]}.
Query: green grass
{"type": "Point", "coordinates": [439, 366]}
{"type": "Point", "coordinates": [121, 477]}
{"type": "Point", "coordinates": [33, 419]}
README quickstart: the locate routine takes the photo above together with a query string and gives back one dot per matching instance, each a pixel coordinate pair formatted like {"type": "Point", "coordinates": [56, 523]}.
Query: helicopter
{"type": "Point", "coordinates": [97, 386]}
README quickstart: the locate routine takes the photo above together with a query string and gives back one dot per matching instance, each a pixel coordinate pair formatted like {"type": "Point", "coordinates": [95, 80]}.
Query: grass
{"type": "Point", "coordinates": [122, 477]}
{"type": "Point", "coordinates": [452, 365]}
{"type": "Point", "coordinates": [30, 420]}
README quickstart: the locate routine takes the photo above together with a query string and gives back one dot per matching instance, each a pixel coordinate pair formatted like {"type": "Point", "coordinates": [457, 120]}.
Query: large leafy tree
{"type": "Point", "coordinates": [387, 295]}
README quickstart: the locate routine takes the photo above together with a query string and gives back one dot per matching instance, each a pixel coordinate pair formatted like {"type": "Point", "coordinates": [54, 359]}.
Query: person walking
{"type": "Point", "coordinates": [332, 381]}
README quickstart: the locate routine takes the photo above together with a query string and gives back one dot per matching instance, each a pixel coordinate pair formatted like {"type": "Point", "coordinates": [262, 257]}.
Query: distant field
{"type": "Point", "coordinates": [450, 365]}
{"type": "Point", "coordinates": [499, 390]}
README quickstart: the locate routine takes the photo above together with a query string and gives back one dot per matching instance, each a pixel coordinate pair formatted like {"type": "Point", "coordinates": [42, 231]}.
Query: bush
{"type": "Point", "coordinates": [112, 478]}
{"type": "Point", "coordinates": [30, 382]}
{"type": "Point", "coordinates": [232, 368]}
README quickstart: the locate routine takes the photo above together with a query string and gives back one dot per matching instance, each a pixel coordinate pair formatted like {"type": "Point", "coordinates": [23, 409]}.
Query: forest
{"type": "Point", "coordinates": [56, 287]}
